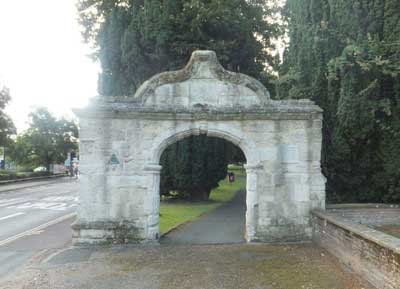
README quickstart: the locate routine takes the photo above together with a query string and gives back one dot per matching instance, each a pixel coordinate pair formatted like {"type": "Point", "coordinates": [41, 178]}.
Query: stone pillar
{"type": "Point", "coordinates": [317, 179]}
{"type": "Point", "coordinates": [252, 172]}
{"type": "Point", "coordinates": [152, 203]}
{"type": "Point", "coordinates": [91, 226]}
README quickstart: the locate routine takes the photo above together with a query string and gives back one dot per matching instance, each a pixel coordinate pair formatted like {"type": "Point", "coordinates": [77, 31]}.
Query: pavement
{"type": "Point", "coordinates": [35, 217]}
{"type": "Point", "coordinates": [225, 225]}
{"type": "Point", "coordinates": [238, 266]}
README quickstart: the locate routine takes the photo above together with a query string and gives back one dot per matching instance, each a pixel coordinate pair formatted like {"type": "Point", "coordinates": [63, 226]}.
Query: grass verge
{"type": "Point", "coordinates": [176, 212]}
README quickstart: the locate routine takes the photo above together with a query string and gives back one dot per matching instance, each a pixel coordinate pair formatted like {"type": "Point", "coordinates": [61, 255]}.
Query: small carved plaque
{"type": "Point", "coordinates": [114, 160]}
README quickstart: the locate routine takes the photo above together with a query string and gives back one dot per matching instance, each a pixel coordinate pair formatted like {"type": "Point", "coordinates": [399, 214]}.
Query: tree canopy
{"type": "Point", "coordinates": [7, 127]}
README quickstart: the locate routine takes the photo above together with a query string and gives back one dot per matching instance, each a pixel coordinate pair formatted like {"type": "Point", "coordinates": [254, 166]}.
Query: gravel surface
{"type": "Point", "coordinates": [239, 266]}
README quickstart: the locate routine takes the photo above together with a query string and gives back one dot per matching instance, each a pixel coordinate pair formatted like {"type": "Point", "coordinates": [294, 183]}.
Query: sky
{"type": "Point", "coordinates": [43, 60]}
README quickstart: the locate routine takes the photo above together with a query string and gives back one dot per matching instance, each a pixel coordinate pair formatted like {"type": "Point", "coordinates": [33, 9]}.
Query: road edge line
{"type": "Point", "coordinates": [35, 229]}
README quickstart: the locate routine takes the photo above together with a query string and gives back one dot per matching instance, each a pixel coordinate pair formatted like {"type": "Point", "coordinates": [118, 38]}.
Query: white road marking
{"type": "Point", "coordinates": [8, 202]}
{"type": "Point", "coordinates": [41, 206]}
{"type": "Point", "coordinates": [55, 203]}
{"type": "Point", "coordinates": [61, 199]}
{"type": "Point", "coordinates": [11, 216]}
{"type": "Point", "coordinates": [36, 229]}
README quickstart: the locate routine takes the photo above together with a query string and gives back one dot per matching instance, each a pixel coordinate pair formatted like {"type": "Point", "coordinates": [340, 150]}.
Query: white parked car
{"type": "Point", "coordinates": [40, 169]}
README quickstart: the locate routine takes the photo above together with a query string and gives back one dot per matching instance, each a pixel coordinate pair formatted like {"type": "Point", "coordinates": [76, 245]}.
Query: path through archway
{"type": "Point", "coordinates": [203, 192]}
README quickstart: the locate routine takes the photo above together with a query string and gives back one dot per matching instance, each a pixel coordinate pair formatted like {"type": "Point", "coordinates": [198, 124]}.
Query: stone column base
{"type": "Point", "coordinates": [108, 233]}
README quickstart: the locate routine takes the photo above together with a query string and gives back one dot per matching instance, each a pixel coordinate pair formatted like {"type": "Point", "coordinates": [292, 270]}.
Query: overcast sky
{"type": "Point", "coordinates": [43, 59]}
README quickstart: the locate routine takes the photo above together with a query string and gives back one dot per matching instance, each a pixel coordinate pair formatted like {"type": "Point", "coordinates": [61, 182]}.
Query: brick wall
{"type": "Point", "coordinates": [373, 255]}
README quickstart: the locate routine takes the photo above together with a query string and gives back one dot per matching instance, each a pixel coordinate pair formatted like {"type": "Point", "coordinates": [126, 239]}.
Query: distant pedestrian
{"type": "Point", "coordinates": [231, 177]}
{"type": "Point", "coordinates": [75, 167]}
{"type": "Point", "coordinates": [69, 168]}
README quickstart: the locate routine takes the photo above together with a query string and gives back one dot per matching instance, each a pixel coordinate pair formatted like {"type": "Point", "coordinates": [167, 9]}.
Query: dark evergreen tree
{"type": "Point", "coordinates": [345, 55]}
{"type": "Point", "coordinates": [193, 167]}
{"type": "Point", "coordinates": [137, 39]}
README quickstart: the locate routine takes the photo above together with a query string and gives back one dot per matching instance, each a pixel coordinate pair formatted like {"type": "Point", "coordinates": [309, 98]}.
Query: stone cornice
{"type": "Point", "coordinates": [124, 108]}
{"type": "Point", "coordinates": [193, 116]}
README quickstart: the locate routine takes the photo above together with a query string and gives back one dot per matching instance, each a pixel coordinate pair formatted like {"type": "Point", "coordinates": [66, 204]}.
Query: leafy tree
{"type": "Point", "coordinates": [47, 140]}
{"type": "Point", "coordinates": [20, 151]}
{"type": "Point", "coordinates": [7, 127]}
{"type": "Point", "coordinates": [345, 56]}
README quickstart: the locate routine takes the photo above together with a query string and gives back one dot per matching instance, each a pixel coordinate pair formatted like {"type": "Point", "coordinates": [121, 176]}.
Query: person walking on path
{"type": "Point", "coordinates": [231, 177]}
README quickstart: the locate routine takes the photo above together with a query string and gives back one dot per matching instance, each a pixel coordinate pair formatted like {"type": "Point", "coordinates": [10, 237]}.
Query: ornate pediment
{"type": "Point", "coordinates": [202, 83]}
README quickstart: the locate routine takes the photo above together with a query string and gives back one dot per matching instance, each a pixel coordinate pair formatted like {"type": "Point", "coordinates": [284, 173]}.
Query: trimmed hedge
{"type": "Point", "coordinates": [10, 175]}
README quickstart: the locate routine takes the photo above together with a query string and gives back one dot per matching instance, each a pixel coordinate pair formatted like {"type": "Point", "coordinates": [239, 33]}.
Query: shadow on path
{"type": "Point", "coordinates": [224, 225]}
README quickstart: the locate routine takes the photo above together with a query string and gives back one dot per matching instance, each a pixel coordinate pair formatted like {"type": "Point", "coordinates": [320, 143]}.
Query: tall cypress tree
{"type": "Point", "coordinates": [345, 55]}
{"type": "Point", "coordinates": [137, 39]}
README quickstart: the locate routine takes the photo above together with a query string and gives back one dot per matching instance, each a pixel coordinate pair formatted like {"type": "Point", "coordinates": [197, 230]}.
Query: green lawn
{"type": "Point", "coordinates": [176, 212]}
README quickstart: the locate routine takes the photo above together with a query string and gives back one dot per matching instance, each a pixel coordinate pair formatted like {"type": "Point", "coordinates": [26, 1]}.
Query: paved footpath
{"type": "Point", "coordinates": [225, 225]}
{"type": "Point", "coordinates": [234, 266]}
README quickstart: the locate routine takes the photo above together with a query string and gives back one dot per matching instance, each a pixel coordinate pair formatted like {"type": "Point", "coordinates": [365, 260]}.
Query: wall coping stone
{"type": "Point", "coordinates": [390, 242]}
{"type": "Point", "coordinates": [362, 206]}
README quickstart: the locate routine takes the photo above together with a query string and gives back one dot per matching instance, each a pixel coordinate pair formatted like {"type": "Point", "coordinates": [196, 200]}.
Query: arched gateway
{"type": "Point", "coordinates": [122, 139]}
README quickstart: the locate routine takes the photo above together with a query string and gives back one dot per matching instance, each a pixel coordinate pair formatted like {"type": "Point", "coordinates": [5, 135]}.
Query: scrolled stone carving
{"type": "Point", "coordinates": [202, 82]}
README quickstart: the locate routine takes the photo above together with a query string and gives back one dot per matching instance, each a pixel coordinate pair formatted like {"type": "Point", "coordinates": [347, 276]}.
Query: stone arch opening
{"type": "Point", "coordinates": [211, 129]}
{"type": "Point", "coordinates": [227, 224]}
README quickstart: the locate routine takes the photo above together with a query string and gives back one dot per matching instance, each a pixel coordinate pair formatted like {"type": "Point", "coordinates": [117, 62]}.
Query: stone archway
{"type": "Point", "coordinates": [122, 140]}
{"type": "Point", "coordinates": [212, 130]}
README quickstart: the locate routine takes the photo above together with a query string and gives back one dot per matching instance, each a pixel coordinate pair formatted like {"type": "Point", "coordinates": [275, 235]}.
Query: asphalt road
{"type": "Point", "coordinates": [34, 217]}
